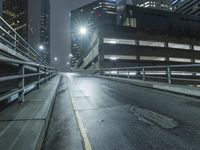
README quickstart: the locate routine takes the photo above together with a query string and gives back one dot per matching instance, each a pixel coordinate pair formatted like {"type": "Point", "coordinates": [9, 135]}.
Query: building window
{"type": "Point", "coordinates": [180, 59]}
{"type": "Point", "coordinates": [119, 41]}
{"type": "Point", "coordinates": [197, 48]}
{"type": "Point", "coordinates": [179, 46]}
{"type": "Point", "coordinates": [133, 23]}
{"type": "Point", "coordinates": [152, 58]}
{"type": "Point", "coordinates": [151, 43]}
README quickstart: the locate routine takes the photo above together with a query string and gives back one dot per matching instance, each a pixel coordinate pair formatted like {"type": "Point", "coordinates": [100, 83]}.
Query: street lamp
{"type": "Point", "coordinates": [55, 58]}
{"type": "Point", "coordinates": [41, 47]}
{"type": "Point", "coordinates": [70, 55]}
{"type": "Point", "coordinates": [83, 30]}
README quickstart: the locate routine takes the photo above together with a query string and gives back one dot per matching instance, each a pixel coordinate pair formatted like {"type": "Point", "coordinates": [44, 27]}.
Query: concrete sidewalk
{"type": "Point", "coordinates": [178, 89]}
{"type": "Point", "coordinates": [23, 126]}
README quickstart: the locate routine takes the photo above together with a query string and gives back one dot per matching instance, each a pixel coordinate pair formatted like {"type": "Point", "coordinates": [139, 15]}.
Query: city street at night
{"type": "Point", "coordinates": [99, 74]}
{"type": "Point", "coordinates": [118, 116]}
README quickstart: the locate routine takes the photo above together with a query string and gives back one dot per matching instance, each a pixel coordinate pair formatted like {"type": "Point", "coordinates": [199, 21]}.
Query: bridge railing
{"type": "Point", "coordinates": [18, 75]}
{"type": "Point", "coordinates": [29, 75]}
{"type": "Point", "coordinates": [188, 74]}
{"type": "Point", "coordinates": [10, 38]}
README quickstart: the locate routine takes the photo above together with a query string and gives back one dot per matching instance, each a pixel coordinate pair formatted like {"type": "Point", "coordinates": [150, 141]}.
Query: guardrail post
{"type": "Point", "coordinates": [21, 84]}
{"type": "Point", "coordinates": [128, 73]}
{"type": "Point", "coordinates": [28, 51]}
{"type": "Point", "coordinates": [45, 70]}
{"type": "Point", "coordinates": [143, 74]}
{"type": "Point", "coordinates": [110, 73]}
{"type": "Point", "coordinates": [117, 73]}
{"type": "Point", "coordinates": [15, 42]}
{"type": "Point", "coordinates": [104, 73]}
{"type": "Point", "coordinates": [49, 73]}
{"type": "Point", "coordinates": [38, 77]}
{"type": "Point", "coordinates": [169, 75]}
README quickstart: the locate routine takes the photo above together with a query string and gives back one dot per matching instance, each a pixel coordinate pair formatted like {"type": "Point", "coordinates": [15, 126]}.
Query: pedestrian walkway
{"type": "Point", "coordinates": [23, 125]}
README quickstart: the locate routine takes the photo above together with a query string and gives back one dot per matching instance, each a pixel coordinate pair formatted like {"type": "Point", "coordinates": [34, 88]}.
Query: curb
{"type": "Point", "coordinates": [177, 89]}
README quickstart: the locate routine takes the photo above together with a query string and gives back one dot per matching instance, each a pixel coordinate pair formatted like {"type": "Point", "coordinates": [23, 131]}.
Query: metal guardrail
{"type": "Point", "coordinates": [32, 71]}
{"type": "Point", "coordinates": [10, 38]}
{"type": "Point", "coordinates": [38, 71]}
{"type": "Point", "coordinates": [172, 74]}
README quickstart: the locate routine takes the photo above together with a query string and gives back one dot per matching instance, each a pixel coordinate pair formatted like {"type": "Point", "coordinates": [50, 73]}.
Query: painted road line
{"type": "Point", "coordinates": [85, 139]}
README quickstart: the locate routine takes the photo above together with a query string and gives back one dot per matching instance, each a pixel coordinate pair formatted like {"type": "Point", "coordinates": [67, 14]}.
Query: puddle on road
{"type": "Point", "coordinates": [153, 118]}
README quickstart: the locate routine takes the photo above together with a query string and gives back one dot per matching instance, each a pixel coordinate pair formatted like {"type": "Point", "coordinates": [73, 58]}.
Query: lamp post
{"type": "Point", "coordinates": [41, 47]}
{"type": "Point", "coordinates": [83, 30]}
{"type": "Point", "coordinates": [55, 59]}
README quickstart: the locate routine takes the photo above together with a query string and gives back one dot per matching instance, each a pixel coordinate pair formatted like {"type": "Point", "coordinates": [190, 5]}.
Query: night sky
{"type": "Point", "coordinates": [60, 30]}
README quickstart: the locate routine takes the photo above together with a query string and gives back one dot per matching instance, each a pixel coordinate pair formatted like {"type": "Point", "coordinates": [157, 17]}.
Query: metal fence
{"type": "Point", "coordinates": [172, 74]}
{"type": "Point", "coordinates": [29, 70]}
{"type": "Point", "coordinates": [10, 38]}
{"type": "Point", "coordinates": [40, 72]}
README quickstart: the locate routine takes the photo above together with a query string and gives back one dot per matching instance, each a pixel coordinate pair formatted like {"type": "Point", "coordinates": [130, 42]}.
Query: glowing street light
{"type": "Point", "coordinates": [55, 58]}
{"type": "Point", "coordinates": [70, 55]}
{"type": "Point", "coordinates": [83, 30]}
{"type": "Point", "coordinates": [67, 63]}
{"type": "Point", "coordinates": [41, 47]}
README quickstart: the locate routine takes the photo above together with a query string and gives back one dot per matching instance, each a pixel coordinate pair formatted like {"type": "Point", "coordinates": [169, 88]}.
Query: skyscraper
{"type": "Point", "coordinates": [31, 19]}
{"type": "Point", "coordinates": [15, 12]}
{"type": "Point", "coordinates": [98, 11]}
{"type": "Point", "coordinates": [189, 7]}
{"type": "Point", "coordinates": [157, 4]}
{"type": "Point", "coordinates": [45, 29]}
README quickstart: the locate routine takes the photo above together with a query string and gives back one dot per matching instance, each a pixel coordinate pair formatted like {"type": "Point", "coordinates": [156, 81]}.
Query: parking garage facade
{"type": "Point", "coordinates": [144, 37]}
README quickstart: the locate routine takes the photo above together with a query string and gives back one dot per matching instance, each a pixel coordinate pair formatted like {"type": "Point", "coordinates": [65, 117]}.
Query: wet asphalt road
{"type": "Point", "coordinates": [119, 116]}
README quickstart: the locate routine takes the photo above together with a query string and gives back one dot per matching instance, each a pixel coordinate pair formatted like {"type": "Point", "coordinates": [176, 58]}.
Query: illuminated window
{"type": "Point", "coordinates": [120, 57]}
{"type": "Point", "coordinates": [152, 58]}
{"type": "Point", "coordinates": [151, 43]}
{"type": "Point", "coordinates": [133, 22]}
{"type": "Point", "coordinates": [119, 41]}
{"type": "Point", "coordinates": [179, 46]}
{"type": "Point", "coordinates": [197, 48]}
{"type": "Point", "coordinates": [180, 59]}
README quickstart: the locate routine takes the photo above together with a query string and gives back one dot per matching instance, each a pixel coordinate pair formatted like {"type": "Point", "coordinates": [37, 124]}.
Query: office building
{"type": "Point", "coordinates": [1, 7]}
{"type": "Point", "coordinates": [88, 16]}
{"type": "Point", "coordinates": [31, 19]}
{"type": "Point", "coordinates": [45, 30]}
{"type": "Point", "coordinates": [141, 37]}
{"type": "Point", "coordinates": [16, 14]}
{"type": "Point", "coordinates": [189, 7]}
{"type": "Point", "coordinates": [155, 4]}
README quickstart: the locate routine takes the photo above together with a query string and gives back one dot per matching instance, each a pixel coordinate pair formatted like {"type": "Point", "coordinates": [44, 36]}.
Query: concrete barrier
{"type": "Point", "coordinates": [178, 89]}
{"type": "Point", "coordinates": [23, 126]}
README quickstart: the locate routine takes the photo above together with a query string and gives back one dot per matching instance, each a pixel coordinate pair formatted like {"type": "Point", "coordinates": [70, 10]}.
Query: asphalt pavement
{"type": "Point", "coordinates": [119, 116]}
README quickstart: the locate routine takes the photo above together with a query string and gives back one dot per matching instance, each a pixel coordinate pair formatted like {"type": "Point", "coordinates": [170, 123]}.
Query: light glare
{"type": "Point", "coordinates": [113, 58]}
{"type": "Point", "coordinates": [83, 30]}
{"type": "Point", "coordinates": [55, 58]}
{"type": "Point", "coordinates": [41, 47]}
